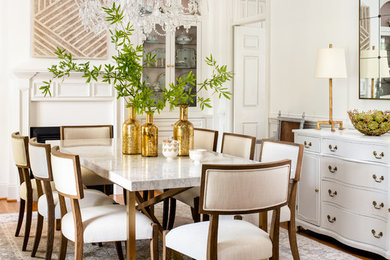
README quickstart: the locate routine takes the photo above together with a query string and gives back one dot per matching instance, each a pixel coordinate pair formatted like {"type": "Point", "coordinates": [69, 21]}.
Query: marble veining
{"type": "Point", "coordinates": [134, 172]}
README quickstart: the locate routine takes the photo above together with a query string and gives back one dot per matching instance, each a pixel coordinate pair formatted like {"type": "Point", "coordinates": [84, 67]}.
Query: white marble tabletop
{"type": "Point", "coordinates": [136, 173]}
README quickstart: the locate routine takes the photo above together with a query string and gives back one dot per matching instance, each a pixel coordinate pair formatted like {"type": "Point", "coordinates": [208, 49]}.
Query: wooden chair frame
{"type": "Point", "coordinates": [252, 138]}
{"type": "Point", "coordinates": [24, 176]}
{"type": "Point", "coordinates": [212, 239]}
{"type": "Point", "coordinates": [50, 205]}
{"type": "Point", "coordinates": [263, 221]}
{"type": "Point", "coordinates": [169, 205]}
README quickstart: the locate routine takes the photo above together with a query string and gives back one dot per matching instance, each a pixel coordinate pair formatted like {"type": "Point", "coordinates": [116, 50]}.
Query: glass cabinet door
{"type": "Point", "coordinates": [185, 55]}
{"type": "Point", "coordinates": [155, 74]}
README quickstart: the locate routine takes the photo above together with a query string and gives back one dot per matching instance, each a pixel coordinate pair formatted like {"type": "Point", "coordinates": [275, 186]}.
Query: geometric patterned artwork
{"type": "Point", "coordinates": [364, 28]}
{"type": "Point", "coordinates": [56, 23]}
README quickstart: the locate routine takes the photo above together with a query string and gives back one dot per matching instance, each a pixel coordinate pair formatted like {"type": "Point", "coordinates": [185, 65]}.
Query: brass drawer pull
{"type": "Point", "coordinates": [332, 170]}
{"type": "Point", "coordinates": [331, 220]}
{"type": "Point", "coordinates": [375, 235]}
{"type": "Point", "coordinates": [380, 156]}
{"type": "Point", "coordinates": [316, 190]}
{"type": "Point", "coordinates": [332, 194]}
{"type": "Point", "coordinates": [333, 149]}
{"type": "Point", "coordinates": [307, 145]}
{"type": "Point", "coordinates": [380, 179]}
{"type": "Point", "coordinates": [374, 203]}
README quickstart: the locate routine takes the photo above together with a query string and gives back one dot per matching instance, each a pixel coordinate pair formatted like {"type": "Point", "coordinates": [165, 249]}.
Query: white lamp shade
{"type": "Point", "coordinates": [371, 67]}
{"type": "Point", "coordinates": [331, 63]}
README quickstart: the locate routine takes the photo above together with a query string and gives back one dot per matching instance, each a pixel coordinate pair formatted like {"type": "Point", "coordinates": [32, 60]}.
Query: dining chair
{"type": "Point", "coordinates": [28, 189]}
{"type": "Point", "coordinates": [90, 178]}
{"type": "Point", "coordinates": [106, 223]}
{"type": "Point", "coordinates": [203, 139]}
{"type": "Point", "coordinates": [238, 145]}
{"type": "Point", "coordinates": [48, 206]}
{"type": "Point", "coordinates": [234, 189]}
{"type": "Point", "coordinates": [277, 150]}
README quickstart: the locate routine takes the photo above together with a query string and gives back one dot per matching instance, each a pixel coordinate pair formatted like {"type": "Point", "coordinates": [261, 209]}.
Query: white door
{"type": "Point", "coordinates": [249, 95]}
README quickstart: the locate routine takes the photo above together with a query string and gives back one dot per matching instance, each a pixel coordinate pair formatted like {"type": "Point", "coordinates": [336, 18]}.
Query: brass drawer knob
{"type": "Point", "coordinates": [331, 220]}
{"type": "Point", "coordinates": [316, 190]}
{"type": "Point", "coordinates": [380, 156]}
{"type": "Point", "coordinates": [375, 204]}
{"type": "Point", "coordinates": [332, 194]}
{"type": "Point", "coordinates": [332, 170]}
{"type": "Point", "coordinates": [306, 144]}
{"type": "Point", "coordinates": [333, 149]}
{"type": "Point", "coordinates": [380, 178]}
{"type": "Point", "coordinates": [375, 235]}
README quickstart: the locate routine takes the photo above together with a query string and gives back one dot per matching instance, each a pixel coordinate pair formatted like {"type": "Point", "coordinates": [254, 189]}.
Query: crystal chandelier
{"type": "Point", "coordinates": [143, 15]}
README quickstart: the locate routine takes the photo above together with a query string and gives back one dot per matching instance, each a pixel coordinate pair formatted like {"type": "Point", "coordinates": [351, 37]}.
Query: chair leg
{"type": "Point", "coordinates": [154, 244]}
{"type": "Point", "coordinates": [195, 211]}
{"type": "Point", "coordinates": [20, 217]}
{"type": "Point", "coordinates": [63, 247]}
{"type": "Point", "coordinates": [78, 249]}
{"type": "Point", "coordinates": [118, 247]}
{"type": "Point", "coordinates": [50, 236]}
{"type": "Point", "coordinates": [38, 234]}
{"type": "Point", "coordinates": [58, 224]}
{"type": "Point", "coordinates": [165, 213]}
{"type": "Point", "coordinates": [166, 250]}
{"type": "Point", "coordinates": [28, 224]}
{"type": "Point", "coordinates": [172, 213]}
{"type": "Point", "coordinates": [292, 236]}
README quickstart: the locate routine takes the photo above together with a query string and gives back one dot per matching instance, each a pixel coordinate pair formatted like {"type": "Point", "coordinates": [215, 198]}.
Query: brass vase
{"type": "Point", "coordinates": [149, 132]}
{"type": "Point", "coordinates": [183, 132]}
{"type": "Point", "coordinates": [131, 134]}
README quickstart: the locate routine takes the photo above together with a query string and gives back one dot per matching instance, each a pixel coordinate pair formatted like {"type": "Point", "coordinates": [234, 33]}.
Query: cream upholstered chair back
{"type": "Point", "coordinates": [66, 174]}
{"type": "Point", "coordinates": [86, 132]}
{"type": "Point", "coordinates": [227, 189]}
{"type": "Point", "coordinates": [278, 150]}
{"type": "Point", "coordinates": [205, 139]}
{"type": "Point", "coordinates": [40, 161]}
{"type": "Point", "coordinates": [20, 150]}
{"type": "Point", "coordinates": [238, 145]}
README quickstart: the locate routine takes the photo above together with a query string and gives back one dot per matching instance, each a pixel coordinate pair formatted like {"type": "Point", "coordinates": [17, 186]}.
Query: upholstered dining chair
{"type": "Point", "coordinates": [90, 178]}
{"type": "Point", "coordinates": [48, 206]}
{"type": "Point", "coordinates": [203, 139]}
{"type": "Point", "coordinates": [106, 223]}
{"type": "Point", "coordinates": [278, 150]}
{"type": "Point", "coordinates": [28, 187]}
{"type": "Point", "coordinates": [234, 189]}
{"type": "Point", "coordinates": [238, 145]}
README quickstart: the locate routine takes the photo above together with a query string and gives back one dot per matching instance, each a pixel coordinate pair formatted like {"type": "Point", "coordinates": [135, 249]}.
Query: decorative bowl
{"type": "Point", "coordinates": [373, 122]}
{"type": "Point", "coordinates": [197, 155]}
{"type": "Point", "coordinates": [170, 148]}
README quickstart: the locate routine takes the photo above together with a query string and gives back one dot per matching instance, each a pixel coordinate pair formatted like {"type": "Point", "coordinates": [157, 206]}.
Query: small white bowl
{"type": "Point", "coordinates": [197, 155]}
{"type": "Point", "coordinates": [170, 148]}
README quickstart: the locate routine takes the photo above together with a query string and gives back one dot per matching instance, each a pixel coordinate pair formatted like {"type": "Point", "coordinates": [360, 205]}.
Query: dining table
{"type": "Point", "coordinates": [136, 173]}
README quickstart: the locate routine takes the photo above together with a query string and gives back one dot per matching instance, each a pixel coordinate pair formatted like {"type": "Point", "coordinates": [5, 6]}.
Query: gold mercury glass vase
{"type": "Point", "coordinates": [149, 137]}
{"type": "Point", "coordinates": [131, 134]}
{"type": "Point", "coordinates": [183, 132]}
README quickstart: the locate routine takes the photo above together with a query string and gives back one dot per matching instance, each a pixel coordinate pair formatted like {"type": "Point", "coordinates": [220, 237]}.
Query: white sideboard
{"type": "Point", "coordinates": [344, 187]}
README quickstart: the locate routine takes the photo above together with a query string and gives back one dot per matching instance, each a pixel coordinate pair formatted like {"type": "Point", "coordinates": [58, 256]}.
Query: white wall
{"type": "Point", "coordinates": [298, 29]}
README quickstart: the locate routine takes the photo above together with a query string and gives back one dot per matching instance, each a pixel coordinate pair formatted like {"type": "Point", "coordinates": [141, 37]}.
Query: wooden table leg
{"type": "Point", "coordinates": [130, 243]}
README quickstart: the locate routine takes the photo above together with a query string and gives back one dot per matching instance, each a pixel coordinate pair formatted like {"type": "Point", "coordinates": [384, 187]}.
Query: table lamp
{"type": "Point", "coordinates": [372, 66]}
{"type": "Point", "coordinates": [330, 64]}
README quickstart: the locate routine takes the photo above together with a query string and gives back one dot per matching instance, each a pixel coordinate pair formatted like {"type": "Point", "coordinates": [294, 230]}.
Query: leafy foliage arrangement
{"type": "Point", "coordinates": [126, 73]}
{"type": "Point", "coordinates": [371, 122]}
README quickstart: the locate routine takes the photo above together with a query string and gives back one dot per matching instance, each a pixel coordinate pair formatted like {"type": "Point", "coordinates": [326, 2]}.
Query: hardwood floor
{"type": "Point", "coordinates": [13, 207]}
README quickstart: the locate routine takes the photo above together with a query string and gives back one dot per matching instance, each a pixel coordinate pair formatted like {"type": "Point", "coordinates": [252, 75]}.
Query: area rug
{"type": "Point", "coordinates": [10, 246]}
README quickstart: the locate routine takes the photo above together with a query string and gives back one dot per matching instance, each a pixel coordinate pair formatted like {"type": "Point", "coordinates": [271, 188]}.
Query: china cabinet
{"type": "Point", "coordinates": [343, 192]}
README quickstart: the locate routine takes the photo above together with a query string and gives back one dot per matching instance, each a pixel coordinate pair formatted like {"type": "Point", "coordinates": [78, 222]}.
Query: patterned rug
{"type": "Point", "coordinates": [10, 246]}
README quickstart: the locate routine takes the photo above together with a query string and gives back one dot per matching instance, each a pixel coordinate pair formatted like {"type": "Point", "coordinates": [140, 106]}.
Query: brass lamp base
{"type": "Point", "coordinates": [331, 123]}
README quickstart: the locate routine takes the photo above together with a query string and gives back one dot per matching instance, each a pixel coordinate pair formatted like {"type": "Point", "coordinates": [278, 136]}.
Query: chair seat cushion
{"type": "Point", "coordinates": [91, 198]}
{"type": "Point", "coordinates": [237, 239]}
{"type": "Point", "coordinates": [188, 196]}
{"type": "Point", "coordinates": [23, 190]}
{"type": "Point", "coordinates": [90, 178]}
{"type": "Point", "coordinates": [106, 223]}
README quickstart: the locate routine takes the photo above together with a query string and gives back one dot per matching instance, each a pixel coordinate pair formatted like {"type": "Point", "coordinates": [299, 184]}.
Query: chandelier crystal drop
{"type": "Point", "coordinates": [143, 15]}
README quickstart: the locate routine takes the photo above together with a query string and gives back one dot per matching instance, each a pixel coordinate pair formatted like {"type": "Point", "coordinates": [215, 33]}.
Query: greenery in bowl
{"type": "Point", "coordinates": [373, 122]}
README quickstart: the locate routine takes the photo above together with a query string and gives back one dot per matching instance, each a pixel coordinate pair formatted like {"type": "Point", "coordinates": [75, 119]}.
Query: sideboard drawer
{"type": "Point", "coordinates": [354, 173]}
{"type": "Point", "coordinates": [357, 228]}
{"type": "Point", "coordinates": [370, 203]}
{"type": "Point", "coordinates": [334, 147]}
{"type": "Point", "coordinates": [311, 144]}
